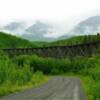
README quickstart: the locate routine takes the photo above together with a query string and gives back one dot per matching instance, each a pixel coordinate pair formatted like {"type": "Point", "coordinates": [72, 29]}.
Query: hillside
{"type": "Point", "coordinates": [76, 40]}
{"type": "Point", "coordinates": [9, 41]}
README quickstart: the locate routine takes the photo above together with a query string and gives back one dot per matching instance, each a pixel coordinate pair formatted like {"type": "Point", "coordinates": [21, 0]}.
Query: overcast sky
{"type": "Point", "coordinates": [59, 11]}
{"type": "Point", "coordinates": [56, 10]}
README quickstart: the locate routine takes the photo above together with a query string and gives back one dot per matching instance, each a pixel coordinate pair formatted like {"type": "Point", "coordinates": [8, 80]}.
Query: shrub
{"type": "Point", "coordinates": [11, 72]}
{"type": "Point", "coordinates": [37, 77]}
{"type": "Point", "coordinates": [14, 77]}
{"type": "Point", "coordinates": [57, 66]}
{"type": "Point", "coordinates": [95, 91]}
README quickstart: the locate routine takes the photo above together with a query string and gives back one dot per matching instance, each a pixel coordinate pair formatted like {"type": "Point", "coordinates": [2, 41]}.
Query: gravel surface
{"type": "Point", "coordinates": [57, 88]}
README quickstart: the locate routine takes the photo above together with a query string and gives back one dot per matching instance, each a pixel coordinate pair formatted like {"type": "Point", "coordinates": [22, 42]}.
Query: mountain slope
{"type": "Point", "coordinates": [9, 41]}
{"type": "Point", "coordinates": [76, 40]}
{"type": "Point", "coordinates": [37, 32]}
{"type": "Point", "coordinates": [15, 28]}
{"type": "Point", "coordinates": [89, 26]}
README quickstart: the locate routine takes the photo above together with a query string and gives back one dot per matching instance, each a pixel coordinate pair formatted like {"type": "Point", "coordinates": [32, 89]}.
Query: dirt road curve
{"type": "Point", "coordinates": [57, 88]}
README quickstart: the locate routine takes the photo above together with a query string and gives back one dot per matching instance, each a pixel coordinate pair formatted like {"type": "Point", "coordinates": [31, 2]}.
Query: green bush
{"type": "Point", "coordinates": [13, 73]}
{"type": "Point", "coordinates": [95, 90]}
{"type": "Point", "coordinates": [46, 65]}
{"type": "Point", "coordinates": [57, 66]}
{"type": "Point", "coordinates": [14, 77]}
{"type": "Point", "coordinates": [37, 77]}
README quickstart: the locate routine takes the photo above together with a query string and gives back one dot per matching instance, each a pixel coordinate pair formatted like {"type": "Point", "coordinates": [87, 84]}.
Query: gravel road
{"type": "Point", "coordinates": [57, 88]}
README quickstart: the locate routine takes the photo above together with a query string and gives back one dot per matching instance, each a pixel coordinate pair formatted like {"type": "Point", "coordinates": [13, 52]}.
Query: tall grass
{"type": "Point", "coordinates": [14, 77]}
{"type": "Point", "coordinates": [11, 72]}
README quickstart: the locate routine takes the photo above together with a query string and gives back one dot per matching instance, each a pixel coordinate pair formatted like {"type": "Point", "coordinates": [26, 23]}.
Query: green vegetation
{"type": "Point", "coordinates": [86, 68]}
{"type": "Point", "coordinates": [9, 41]}
{"type": "Point", "coordinates": [22, 72]}
{"type": "Point", "coordinates": [14, 78]}
{"type": "Point", "coordinates": [77, 40]}
{"type": "Point", "coordinates": [52, 65]}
